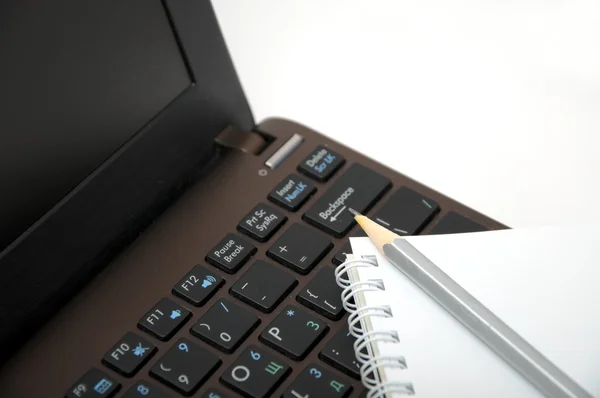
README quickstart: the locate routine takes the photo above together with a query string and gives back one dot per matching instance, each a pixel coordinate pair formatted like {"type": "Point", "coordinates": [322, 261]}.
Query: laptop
{"type": "Point", "coordinates": [156, 240]}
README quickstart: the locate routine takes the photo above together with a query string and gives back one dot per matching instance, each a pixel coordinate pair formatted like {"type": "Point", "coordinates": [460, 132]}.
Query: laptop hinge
{"type": "Point", "coordinates": [245, 141]}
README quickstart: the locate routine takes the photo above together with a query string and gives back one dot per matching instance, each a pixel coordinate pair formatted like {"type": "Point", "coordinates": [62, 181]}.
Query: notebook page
{"type": "Point", "coordinates": [443, 358]}
{"type": "Point", "coordinates": [543, 282]}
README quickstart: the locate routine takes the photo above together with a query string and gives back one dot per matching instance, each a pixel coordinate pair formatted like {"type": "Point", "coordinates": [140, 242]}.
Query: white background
{"type": "Point", "coordinates": [496, 104]}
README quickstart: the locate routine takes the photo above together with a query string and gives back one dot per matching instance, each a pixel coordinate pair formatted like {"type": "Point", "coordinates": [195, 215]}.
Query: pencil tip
{"type": "Point", "coordinates": [378, 233]}
{"type": "Point", "coordinates": [354, 212]}
{"type": "Point", "coordinates": [362, 221]}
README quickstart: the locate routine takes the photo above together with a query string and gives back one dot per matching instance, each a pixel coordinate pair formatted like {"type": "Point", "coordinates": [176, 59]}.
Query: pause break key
{"type": "Point", "coordinates": [230, 253]}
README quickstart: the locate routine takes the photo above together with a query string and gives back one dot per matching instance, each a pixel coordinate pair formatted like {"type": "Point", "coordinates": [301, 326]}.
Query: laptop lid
{"type": "Point", "coordinates": [107, 110]}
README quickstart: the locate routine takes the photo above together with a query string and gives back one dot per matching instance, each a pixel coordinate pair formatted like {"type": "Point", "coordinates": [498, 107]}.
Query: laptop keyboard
{"type": "Point", "coordinates": [297, 328]}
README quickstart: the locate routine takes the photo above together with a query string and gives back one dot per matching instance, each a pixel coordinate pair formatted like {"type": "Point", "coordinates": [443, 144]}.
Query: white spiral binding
{"type": "Point", "coordinates": [370, 363]}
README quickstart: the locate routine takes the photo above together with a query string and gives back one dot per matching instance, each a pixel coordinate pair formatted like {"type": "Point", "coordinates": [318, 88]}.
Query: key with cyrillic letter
{"type": "Point", "coordinates": [317, 381]}
{"type": "Point", "coordinates": [294, 332]}
{"type": "Point", "coordinates": [255, 373]}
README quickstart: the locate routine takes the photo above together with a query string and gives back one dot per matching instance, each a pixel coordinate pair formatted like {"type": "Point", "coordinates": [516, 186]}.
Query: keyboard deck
{"type": "Point", "coordinates": [258, 313]}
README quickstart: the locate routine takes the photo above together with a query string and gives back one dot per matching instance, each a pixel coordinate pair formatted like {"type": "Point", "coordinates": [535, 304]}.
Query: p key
{"type": "Point", "coordinates": [294, 332]}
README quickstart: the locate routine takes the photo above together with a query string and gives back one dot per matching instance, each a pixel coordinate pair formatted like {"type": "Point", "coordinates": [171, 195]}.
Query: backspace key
{"type": "Point", "coordinates": [358, 188]}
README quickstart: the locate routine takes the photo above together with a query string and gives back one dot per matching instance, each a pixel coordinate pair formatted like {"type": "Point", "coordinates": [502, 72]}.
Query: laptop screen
{"type": "Point", "coordinates": [79, 79]}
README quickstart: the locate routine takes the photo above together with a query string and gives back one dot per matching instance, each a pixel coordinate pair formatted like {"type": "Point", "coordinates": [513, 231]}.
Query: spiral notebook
{"type": "Point", "coordinates": [543, 282]}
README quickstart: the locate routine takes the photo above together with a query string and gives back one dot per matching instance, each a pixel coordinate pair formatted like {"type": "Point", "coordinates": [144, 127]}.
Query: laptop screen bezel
{"type": "Point", "coordinates": [46, 266]}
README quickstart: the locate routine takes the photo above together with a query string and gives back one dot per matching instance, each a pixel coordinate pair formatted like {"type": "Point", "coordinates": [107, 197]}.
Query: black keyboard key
{"type": "Point", "coordinates": [262, 222]}
{"type": "Point", "coordinates": [340, 256]}
{"type": "Point", "coordinates": [94, 383]}
{"type": "Point", "coordinates": [185, 366]}
{"type": "Point", "coordinates": [294, 332]}
{"type": "Point", "coordinates": [454, 223]}
{"type": "Point", "coordinates": [264, 286]}
{"type": "Point", "coordinates": [300, 248]}
{"type": "Point", "coordinates": [225, 325]}
{"type": "Point", "coordinates": [143, 389]}
{"type": "Point", "coordinates": [321, 164]}
{"type": "Point", "coordinates": [316, 381]}
{"type": "Point", "coordinates": [292, 192]}
{"type": "Point", "coordinates": [231, 253]}
{"type": "Point", "coordinates": [198, 286]}
{"type": "Point", "coordinates": [406, 212]}
{"type": "Point", "coordinates": [358, 188]}
{"type": "Point", "coordinates": [255, 373]}
{"type": "Point", "coordinates": [164, 319]}
{"type": "Point", "coordinates": [339, 353]}
{"type": "Point", "coordinates": [212, 393]}
{"type": "Point", "coordinates": [129, 354]}
{"type": "Point", "coordinates": [323, 295]}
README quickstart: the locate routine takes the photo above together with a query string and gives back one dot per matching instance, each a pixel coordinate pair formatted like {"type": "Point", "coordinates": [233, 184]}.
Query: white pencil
{"type": "Point", "coordinates": [486, 326]}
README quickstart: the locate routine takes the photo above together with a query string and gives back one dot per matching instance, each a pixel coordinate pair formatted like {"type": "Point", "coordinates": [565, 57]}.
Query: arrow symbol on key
{"type": "Point", "coordinates": [334, 217]}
